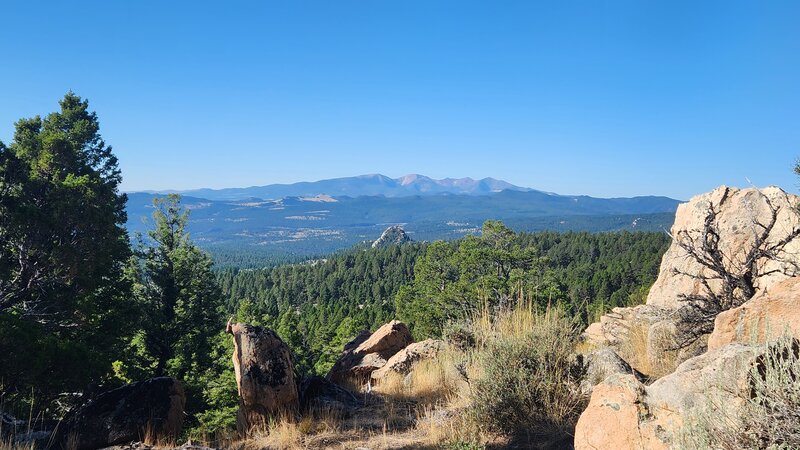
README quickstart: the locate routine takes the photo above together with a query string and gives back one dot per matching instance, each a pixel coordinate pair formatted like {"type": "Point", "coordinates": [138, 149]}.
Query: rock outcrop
{"type": "Point", "coordinates": [625, 414]}
{"type": "Point", "coordinates": [739, 209]}
{"type": "Point", "coordinates": [404, 361]}
{"type": "Point", "coordinates": [369, 352]}
{"type": "Point", "coordinates": [391, 236]}
{"type": "Point", "coordinates": [655, 322]}
{"type": "Point", "coordinates": [766, 316]}
{"type": "Point", "coordinates": [265, 376]}
{"type": "Point", "coordinates": [151, 409]}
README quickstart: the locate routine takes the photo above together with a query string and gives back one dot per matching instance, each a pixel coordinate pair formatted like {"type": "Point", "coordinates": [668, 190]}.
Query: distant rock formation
{"type": "Point", "coordinates": [391, 236]}
{"type": "Point", "coordinates": [265, 376]}
{"type": "Point", "coordinates": [369, 352]}
{"type": "Point", "coordinates": [150, 409]}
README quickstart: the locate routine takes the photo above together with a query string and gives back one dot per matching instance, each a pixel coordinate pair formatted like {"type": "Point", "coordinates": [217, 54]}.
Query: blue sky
{"type": "Point", "coordinates": [601, 98]}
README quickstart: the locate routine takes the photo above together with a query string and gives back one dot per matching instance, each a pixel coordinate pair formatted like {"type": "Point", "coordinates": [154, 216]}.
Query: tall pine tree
{"type": "Point", "coordinates": [179, 299]}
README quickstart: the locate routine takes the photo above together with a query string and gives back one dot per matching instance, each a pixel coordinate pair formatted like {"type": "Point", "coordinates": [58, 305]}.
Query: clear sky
{"type": "Point", "coordinates": [590, 97]}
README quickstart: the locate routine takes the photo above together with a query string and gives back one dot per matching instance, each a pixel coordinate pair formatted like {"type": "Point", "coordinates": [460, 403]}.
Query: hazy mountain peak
{"type": "Point", "coordinates": [361, 185]}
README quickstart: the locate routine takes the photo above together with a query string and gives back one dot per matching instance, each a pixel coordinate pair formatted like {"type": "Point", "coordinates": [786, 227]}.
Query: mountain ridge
{"type": "Point", "coordinates": [320, 224]}
{"type": "Point", "coordinates": [356, 186]}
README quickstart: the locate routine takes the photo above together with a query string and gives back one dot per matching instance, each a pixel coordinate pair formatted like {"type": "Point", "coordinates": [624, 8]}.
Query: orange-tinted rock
{"type": "Point", "coordinates": [405, 360]}
{"type": "Point", "coordinates": [766, 316]}
{"type": "Point", "coordinates": [364, 355]}
{"type": "Point", "coordinates": [625, 414]}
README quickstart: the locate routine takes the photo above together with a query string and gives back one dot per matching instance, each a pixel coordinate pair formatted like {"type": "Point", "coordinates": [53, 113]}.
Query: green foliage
{"type": "Point", "coordinates": [587, 272]}
{"type": "Point", "coordinates": [181, 311]}
{"type": "Point", "coordinates": [220, 398]}
{"type": "Point", "coordinates": [62, 252]}
{"type": "Point", "coordinates": [319, 305]}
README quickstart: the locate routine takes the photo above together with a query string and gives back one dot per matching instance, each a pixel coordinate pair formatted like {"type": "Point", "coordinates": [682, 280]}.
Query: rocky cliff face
{"type": "Point", "coordinates": [740, 212]}
{"type": "Point", "coordinates": [742, 216]}
{"type": "Point", "coordinates": [626, 413]}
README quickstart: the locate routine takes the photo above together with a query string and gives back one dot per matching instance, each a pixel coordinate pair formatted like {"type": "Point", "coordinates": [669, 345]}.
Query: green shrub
{"type": "Point", "coordinates": [529, 377]}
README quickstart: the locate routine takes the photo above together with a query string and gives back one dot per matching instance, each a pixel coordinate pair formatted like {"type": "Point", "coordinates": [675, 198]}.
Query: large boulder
{"type": "Point", "coordinates": [404, 361]}
{"type": "Point", "coordinates": [772, 312]}
{"type": "Point", "coordinates": [369, 352]}
{"type": "Point", "coordinates": [739, 209]}
{"type": "Point", "coordinates": [265, 376]}
{"type": "Point", "coordinates": [623, 413]}
{"type": "Point", "coordinates": [146, 410]}
{"type": "Point", "coordinates": [644, 336]}
{"type": "Point", "coordinates": [647, 335]}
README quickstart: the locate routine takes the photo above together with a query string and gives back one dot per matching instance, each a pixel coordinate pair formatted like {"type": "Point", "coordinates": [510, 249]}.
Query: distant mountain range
{"type": "Point", "coordinates": [358, 186]}
{"type": "Point", "coordinates": [320, 217]}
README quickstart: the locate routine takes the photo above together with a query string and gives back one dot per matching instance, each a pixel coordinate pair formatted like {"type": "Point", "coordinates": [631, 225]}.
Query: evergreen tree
{"type": "Point", "coordinates": [63, 247]}
{"type": "Point", "coordinates": [180, 301]}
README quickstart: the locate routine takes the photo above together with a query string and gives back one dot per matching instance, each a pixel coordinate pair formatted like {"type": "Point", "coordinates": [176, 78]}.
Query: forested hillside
{"type": "Point", "coordinates": [318, 306]}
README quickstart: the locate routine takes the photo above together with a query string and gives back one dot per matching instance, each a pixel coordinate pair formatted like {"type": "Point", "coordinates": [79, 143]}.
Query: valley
{"type": "Point", "coordinates": [319, 223]}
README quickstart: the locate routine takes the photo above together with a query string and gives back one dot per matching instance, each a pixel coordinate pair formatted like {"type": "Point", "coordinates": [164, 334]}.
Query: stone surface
{"type": "Point", "coordinates": [404, 361]}
{"type": "Point", "coordinates": [644, 334]}
{"type": "Point", "coordinates": [625, 414]}
{"type": "Point", "coordinates": [772, 312]}
{"type": "Point", "coordinates": [366, 354]}
{"type": "Point", "coordinates": [611, 421]}
{"type": "Point", "coordinates": [739, 208]}
{"type": "Point", "coordinates": [146, 409]}
{"type": "Point", "coordinates": [265, 376]}
{"type": "Point", "coordinates": [641, 335]}
{"type": "Point", "coordinates": [601, 364]}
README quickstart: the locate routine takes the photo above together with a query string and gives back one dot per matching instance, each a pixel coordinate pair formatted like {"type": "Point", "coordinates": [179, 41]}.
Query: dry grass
{"type": "Point", "coordinates": [281, 434]}
{"type": "Point", "coordinates": [152, 437]}
{"type": "Point", "coordinates": [430, 382]}
{"type": "Point", "coordinates": [8, 445]}
{"type": "Point", "coordinates": [634, 350]}
{"type": "Point", "coordinates": [527, 379]}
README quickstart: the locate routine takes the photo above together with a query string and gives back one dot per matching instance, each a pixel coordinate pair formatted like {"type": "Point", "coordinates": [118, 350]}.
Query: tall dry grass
{"type": "Point", "coordinates": [430, 382]}
{"type": "Point", "coordinates": [529, 378]}
{"type": "Point", "coordinates": [635, 351]}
